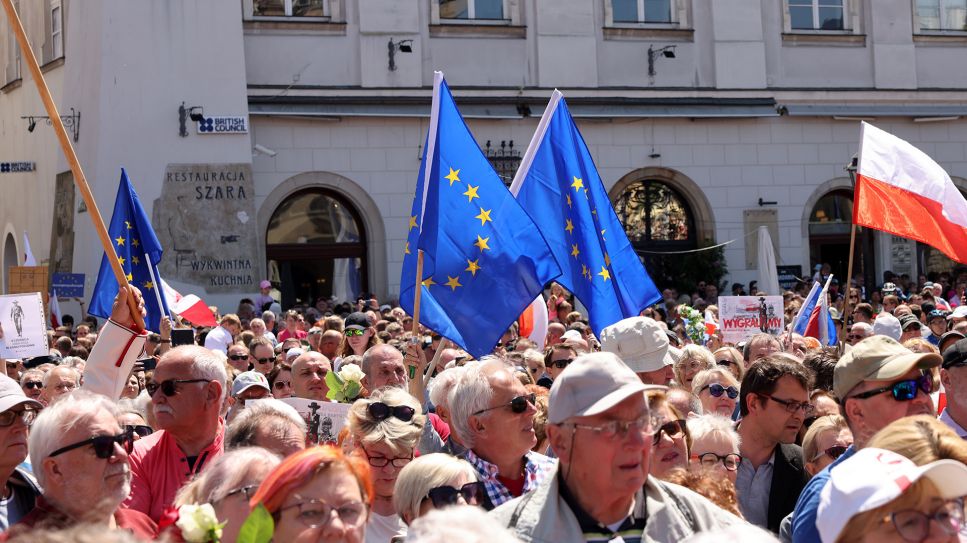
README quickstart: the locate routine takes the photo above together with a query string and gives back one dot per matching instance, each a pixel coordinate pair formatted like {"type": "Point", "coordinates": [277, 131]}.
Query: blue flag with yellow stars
{"type": "Point", "coordinates": [484, 261]}
{"type": "Point", "coordinates": [135, 246]}
{"type": "Point", "coordinates": [558, 184]}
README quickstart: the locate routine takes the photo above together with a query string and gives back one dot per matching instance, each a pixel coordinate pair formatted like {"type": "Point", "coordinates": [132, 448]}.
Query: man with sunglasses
{"type": "Point", "coordinates": [239, 357]}
{"type": "Point", "coordinates": [20, 490]}
{"type": "Point", "coordinates": [878, 382]}
{"type": "Point", "coordinates": [79, 454]}
{"type": "Point", "coordinates": [557, 357]}
{"type": "Point", "coordinates": [32, 383]}
{"type": "Point", "coordinates": [600, 427]}
{"type": "Point", "coordinates": [953, 375]}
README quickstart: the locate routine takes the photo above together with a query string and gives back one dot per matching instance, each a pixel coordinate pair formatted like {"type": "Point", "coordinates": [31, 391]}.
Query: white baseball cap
{"type": "Point", "coordinates": [11, 395]}
{"type": "Point", "coordinates": [591, 385]}
{"type": "Point", "coordinates": [875, 477]}
{"type": "Point", "coordinates": [247, 380]}
{"type": "Point", "coordinates": [639, 342]}
{"type": "Point", "coordinates": [887, 325]}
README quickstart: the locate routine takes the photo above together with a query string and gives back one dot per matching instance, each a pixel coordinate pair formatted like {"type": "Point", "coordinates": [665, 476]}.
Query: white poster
{"type": "Point", "coordinates": [332, 416]}
{"type": "Point", "coordinates": [23, 328]}
{"type": "Point", "coordinates": [745, 316]}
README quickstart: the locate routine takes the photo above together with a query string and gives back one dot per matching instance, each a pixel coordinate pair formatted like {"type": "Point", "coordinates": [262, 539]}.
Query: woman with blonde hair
{"type": "Point", "coordinates": [826, 440]}
{"type": "Point", "coordinates": [718, 390]}
{"type": "Point", "coordinates": [435, 481]}
{"type": "Point", "coordinates": [731, 358]}
{"type": "Point", "coordinates": [694, 358]}
{"type": "Point", "coordinates": [922, 439]}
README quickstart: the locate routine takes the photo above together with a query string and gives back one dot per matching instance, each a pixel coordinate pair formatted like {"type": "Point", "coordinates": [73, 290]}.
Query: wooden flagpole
{"type": "Point", "coordinates": [79, 179]}
{"type": "Point", "coordinates": [849, 278]}
{"type": "Point", "coordinates": [418, 292]}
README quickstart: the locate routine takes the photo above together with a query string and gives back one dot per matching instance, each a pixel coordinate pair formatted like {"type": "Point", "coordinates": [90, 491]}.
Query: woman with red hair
{"type": "Point", "coordinates": [304, 491]}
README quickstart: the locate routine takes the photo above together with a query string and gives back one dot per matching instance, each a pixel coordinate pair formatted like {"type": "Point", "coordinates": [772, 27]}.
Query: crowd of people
{"type": "Point", "coordinates": [637, 433]}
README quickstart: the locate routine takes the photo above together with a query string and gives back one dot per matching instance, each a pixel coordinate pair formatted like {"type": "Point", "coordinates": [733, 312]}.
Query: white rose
{"type": "Point", "coordinates": [351, 372]}
{"type": "Point", "coordinates": [197, 522]}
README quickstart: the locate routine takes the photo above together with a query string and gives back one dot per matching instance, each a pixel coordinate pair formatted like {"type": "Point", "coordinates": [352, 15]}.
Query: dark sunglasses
{"type": "Point", "coordinates": [833, 452]}
{"type": "Point", "coordinates": [142, 430]}
{"type": "Point", "coordinates": [517, 405]}
{"type": "Point", "coordinates": [269, 360]}
{"type": "Point", "coordinates": [381, 411]}
{"type": "Point", "coordinates": [674, 429]}
{"type": "Point", "coordinates": [238, 357]}
{"type": "Point", "coordinates": [561, 364]}
{"type": "Point", "coordinates": [169, 387]}
{"type": "Point", "coordinates": [279, 385]}
{"type": "Point", "coordinates": [717, 390]}
{"type": "Point", "coordinates": [903, 391]}
{"type": "Point", "coordinates": [33, 384]}
{"type": "Point", "coordinates": [103, 445]}
{"type": "Point", "coordinates": [350, 332]}
{"type": "Point", "coordinates": [442, 496]}
{"type": "Point", "coordinates": [727, 363]}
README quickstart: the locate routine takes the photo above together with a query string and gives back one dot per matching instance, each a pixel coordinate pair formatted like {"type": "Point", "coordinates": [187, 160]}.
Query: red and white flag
{"type": "Point", "coordinates": [189, 307]}
{"type": "Point", "coordinates": [56, 317]}
{"type": "Point", "coordinates": [901, 190]}
{"type": "Point", "coordinates": [532, 323]}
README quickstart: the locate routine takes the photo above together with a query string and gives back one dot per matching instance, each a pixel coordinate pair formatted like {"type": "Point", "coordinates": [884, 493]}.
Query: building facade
{"type": "Point", "coordinates": [282, 138]}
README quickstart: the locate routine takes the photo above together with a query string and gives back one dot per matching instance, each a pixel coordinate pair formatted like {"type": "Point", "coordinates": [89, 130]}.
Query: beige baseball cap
{"type": "Point", "coordinates": [877, 358]}
{"type": "Point", "coordinates": [591, 385]}
{"type": "Point", "coordinates": [639, 342]}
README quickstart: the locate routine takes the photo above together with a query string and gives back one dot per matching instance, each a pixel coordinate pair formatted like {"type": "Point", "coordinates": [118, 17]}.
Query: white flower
{"type": "Point", "coordinates": [198, 522]}
{"type": "Point", "coordinates": [351, 372]}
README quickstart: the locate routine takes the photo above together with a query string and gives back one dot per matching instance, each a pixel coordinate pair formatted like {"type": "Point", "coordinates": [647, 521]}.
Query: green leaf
{"type": "Point", "coordinates": [353, 388]}
{"type": "Point", "coordinates": [258, 527]}
{"type": "Point", "coordinates": [334, 382]}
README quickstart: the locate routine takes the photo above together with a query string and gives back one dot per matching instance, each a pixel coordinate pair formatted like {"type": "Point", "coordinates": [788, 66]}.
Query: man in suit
{"type": "Point", "coordinates": [774, 402]}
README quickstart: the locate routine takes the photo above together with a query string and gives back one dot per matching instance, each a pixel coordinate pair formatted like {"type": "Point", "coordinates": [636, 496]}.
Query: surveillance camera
{"type": "Point", "coordinates": [265, 150]}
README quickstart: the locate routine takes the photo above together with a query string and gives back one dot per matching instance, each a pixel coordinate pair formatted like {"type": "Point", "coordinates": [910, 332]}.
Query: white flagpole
{"type": "Point", "coordinates": [157, 286]}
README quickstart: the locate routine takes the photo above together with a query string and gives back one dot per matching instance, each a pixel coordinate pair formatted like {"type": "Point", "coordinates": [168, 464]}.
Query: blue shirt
{"type": "Point", "coordinates": [804, 516]}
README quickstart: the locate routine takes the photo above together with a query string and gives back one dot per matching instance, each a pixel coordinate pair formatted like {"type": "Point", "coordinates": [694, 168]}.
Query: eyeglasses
{"type": "Point", "coordinates": [169, 387]}
{"type": "Point", "coordinates": [717, 390]}
{"type": "Point", "coordinates": [674, 430]}
{"type": "Point", "coordinates": [710, 459]}
{"type": "Point", "coordinates": [267, 360]}
{"type": "Point", "coordinates": [561, 364]}
{"type": "Point", "coordinates": [247, 491]}
{"type": "Point", "coordinates": [103, 445]}
{"type": "Point", "coordinates": [382, 461]}
{"type": "Point", "coordinates": [316, 513]}
{"type": "Point", "coordinates": [793, 406]}
{"type": "Point", "coordinates": [381, 411]}
{"type": "Point", "coordinates": [350, 332]}
{"type": "Point", "coordinates": [443, 496]}
{"type": "Point", "coordinates": [517, 405]}
{"type": "Point", "coordinates": [914, 526]}
{"type": "Point", "coordinates": [727, 363]}
{"type": "Point", "coordinates": [833, 452]}
{"type": "Point", "coordinates": [279, 385]}
{"type": "Point", "coordinates": [855, 336]}
{"type": "Point", "coordinates": [620, 428]}
{"type": "Point", "coordinates": [142, 430]}
{"type": "Point", "coordinates": [30, 385]}
{"type": "Point", "coordinates": [903, 391]}
{"type": "Point", "coordinates": [238, 357]}
{"type": "Point", "coordinates": [8, 417]}
{"type": "Point", "coordinates": [65, 387]}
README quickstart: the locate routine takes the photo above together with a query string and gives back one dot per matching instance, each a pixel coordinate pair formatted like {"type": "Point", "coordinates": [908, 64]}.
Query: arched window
{"type": "Point", "coordinates": [316, 248]}
{"type": "Point", "coordinates": [656, 216]}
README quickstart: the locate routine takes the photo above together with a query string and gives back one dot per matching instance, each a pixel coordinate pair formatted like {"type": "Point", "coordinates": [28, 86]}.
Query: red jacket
{"type": "Point", "coordinates": [46, 516]}
{"type": "Point", "coordinates": [159, 468]}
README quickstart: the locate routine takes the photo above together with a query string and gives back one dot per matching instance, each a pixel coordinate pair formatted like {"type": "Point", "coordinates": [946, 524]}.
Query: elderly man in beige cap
{"type": "Point", "coordinates": [601, 428]}
{"type": "Point", "coordinates": [641, 343]}
{"type": "Point", "coordinates": [878, 381]}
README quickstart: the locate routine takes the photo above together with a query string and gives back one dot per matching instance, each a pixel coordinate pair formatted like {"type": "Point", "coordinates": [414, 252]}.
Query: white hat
{"type": "Point", "coordinates": [294, 352]}
{"type": "Point", "coordinates": [875, 477]}
{"type": "Point", "coordinates": [960, 312]}
{"type": "Point", "coordinates": [572, 335]}
{"type": "Point", "coordinates": [639, 342]}
{"type": "Point", "coordinates": [247, 380]}
{"type": "Point", "coordinates": [887, 325]}
{"type": "Point", "coordinates": [591, 385]}
{"type": "Point", "coordinates": [11, 395]}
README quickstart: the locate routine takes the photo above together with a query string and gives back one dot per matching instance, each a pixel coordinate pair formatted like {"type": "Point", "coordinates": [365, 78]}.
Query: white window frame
{"type": "Point", "coordinates": [56, 29]}
{"type": "Point", "coordinates": [918, 28]}
{"type": "Point", "coordinates": [512, 15]}
{"type": "Point", "coordinates": [330, 12]}
{"type": "Point", "coordinates": [679, 16]}
{"type": "Point", "coordinates": [851, 19]}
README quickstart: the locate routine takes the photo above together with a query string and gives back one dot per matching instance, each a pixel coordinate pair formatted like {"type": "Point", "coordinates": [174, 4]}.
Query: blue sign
{"type": "Point", "coordinates": [69, 285]}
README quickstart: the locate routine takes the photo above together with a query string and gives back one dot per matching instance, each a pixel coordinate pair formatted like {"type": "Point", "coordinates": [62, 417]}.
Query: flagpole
{"type": "Point", "coordinates": [65, 144]}
{"type": "Point", "coordinates": [849, 278]}
{"type": "Point", "coordinates": [157, 286]}
{"type": "Point", "coordinates": [417, 292]}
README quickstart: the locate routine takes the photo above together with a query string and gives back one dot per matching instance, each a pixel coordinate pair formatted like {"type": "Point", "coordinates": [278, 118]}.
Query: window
{"type": "Point", "coordinates": [290, 8]}
{"type": "Point", "coordinates": [653, 213]}
{"type": "Point", "coordinates": [12, 71]}
{"type": "Point", "coordinates": [816, 14]}
{"type": "Point", "coordinates": [942, 14]}
{"type": "Point", "coordinates": [472, 9]}
{"type": "Point", "coordinates": [57, 30]}
{"type": "Point", "coordinates": [642, 11]}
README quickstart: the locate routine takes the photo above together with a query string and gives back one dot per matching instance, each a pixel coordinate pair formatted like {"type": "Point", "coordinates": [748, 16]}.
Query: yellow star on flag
{"type": "Point", "coordinates": [119, 240]}
{"type": "Point", "coordinates": [602, 234]}
{"type": "Point", "coordinates": [453, 176]}
{"type": "Point", "coordinates": [453, 282]}
{"type": "Point", "coordinates": [135, 243]}
{"type": "Point", "coordinates": [129, 277]}
{"type": "Point", "coordinates": [481, 243]}
{"type": "Point", "coordinates": [574, 250]}
{"type": "Point", "coordinates": [128, 225]}
{"type": "Point", "coordinates": [568, 200]}
{"type": "Point", "coordinates": [406, 250]}
{"type": "Point", "coordinates": [149, 285]}
{"type": "Point", "coordinates": [471, 192]}
{"type": "Point", "coordinates": [135, 260]}
{"type": "Point", "coordinates": [473, 266]}
{"type": "Point", "coordinates": [578, 183]}
{"type": "Point", "coordinates": [428, 282]}
{"type": "Point", "coordinates": [121, 260]}
{"type": "Point", "coordinates": [484, 216]}
{"type": "Point", "coordinates": [604, 273]}
{"type": "Point", "coordinates": [569, 226]}
{"type": "Point", "coordinates": [412, 222]}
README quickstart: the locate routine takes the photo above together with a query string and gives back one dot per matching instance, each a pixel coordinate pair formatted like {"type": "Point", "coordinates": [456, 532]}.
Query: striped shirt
{"type": "Point", "coordinates": [537, 467]}
{"type": "Point", "coordinates": [629, 530]}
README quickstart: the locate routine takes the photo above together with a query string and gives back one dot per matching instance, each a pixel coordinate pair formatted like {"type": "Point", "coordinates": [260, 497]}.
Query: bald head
{"type": "Point", "coordinates": [383, 366]}
{"type": "Point", "coordinates": [309, 376]}
{"type": "Point", "coordinates": [329, 344]}
{"type": "Point", "coordinates": [554, 332]}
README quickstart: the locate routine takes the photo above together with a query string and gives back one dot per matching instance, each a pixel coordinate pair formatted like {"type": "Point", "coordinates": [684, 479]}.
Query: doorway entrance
{"type": "Point", "coordinates": [829, 235]}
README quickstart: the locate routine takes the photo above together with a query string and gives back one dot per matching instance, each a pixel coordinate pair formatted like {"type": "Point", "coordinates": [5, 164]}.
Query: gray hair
{"type": "Point", "coordinates": [472, 393]}
{"type": "Point", "coordinates": [133, 406]}
{"type": "Point", "coordinates": [442, 384]}
{"type": "Point", "coordinates": [267, 414]}
{"type": "Point", "coordinates": [268, 316]}
{"type": "Point", "coordinates": [69, 370]}
{"type": "Point", "coordinates": [49, 429]}
{"type": "Point", "coordinates": [373, 351]}
{"type": "Point", "coordinates": [464, 523]}
{"type": "Point", "coordinates": [226, 473]}
{"type": "Point", "coordinates": [72, 361]}
{"type": "Point", "coordinates": [720, 374]}
{"type": "Point", "coordinates": [206, 364]}
{"type": "Point", "coordinates": [711, 424]}
{"type": "Point", "coordinates": [32, 372]}
{"type": "Point", "coordinates": [423, 474]}
{"type": "Point", "coordinates": [400, 436]}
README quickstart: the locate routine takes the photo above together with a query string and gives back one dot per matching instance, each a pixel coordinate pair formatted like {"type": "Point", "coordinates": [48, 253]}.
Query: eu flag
{"type": "Point", "coordinates": [559, 187]}
{"type": "Point", "coordinates": [135, 247]}
{"type": "Point", "coordinates": [484, 260]}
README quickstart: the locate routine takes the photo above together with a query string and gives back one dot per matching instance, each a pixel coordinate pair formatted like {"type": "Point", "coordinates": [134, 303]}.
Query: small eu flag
{"type": "Point", "coordinates": [135, 247]}
{"type": "Point", "coordinates": [559, 187]}
{"type": "Point", "coordinates": [484, 260]}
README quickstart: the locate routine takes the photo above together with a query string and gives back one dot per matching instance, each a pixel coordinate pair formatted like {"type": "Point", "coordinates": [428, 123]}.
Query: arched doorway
{"type": "Point", "coordinates": [10, 258]}
{"type": "Point", "coordinates": [316, 247]}
{"type": "Point", "coordinates": [830, 221]}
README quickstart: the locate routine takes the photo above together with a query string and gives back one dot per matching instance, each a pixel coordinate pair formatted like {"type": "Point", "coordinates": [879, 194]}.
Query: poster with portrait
{"type": "Point", "coordinates": [745, 316]}
{"type": "Point", "coordinates": [23, 329]}
{"type": "Point", "coordinates": [331, 417]}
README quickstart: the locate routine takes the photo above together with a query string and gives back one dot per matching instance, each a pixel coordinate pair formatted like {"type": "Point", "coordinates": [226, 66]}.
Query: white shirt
{"type": "Point", "coordinates": [949, 421]}
{"type": "Point", "coordinates": [381, 529]}
{"type": "Point", "coordinates": [218, 339]}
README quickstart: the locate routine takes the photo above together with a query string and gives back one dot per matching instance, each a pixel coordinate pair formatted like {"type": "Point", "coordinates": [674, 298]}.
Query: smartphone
{"type": "Point", "coordinates": [147, 364]}
{"type": "Point", "coordinates": [182, 336]}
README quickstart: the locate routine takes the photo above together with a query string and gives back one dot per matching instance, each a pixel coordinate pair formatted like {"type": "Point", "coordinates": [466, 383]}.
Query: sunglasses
{"type": "Point", "coordinates": [7, 418]}
{"type": "Point", "coordinates": [674, 430]}
{"type": "Point", "coordinates": [726, 363]}
{"type": "Point", "coordinates": [442, 496]}
{"type": "Point", "coordinates": [169, 387]}
{"type": "Point", "coordinates": [279, 385]}
{"type": "Point", "coordinates": [268, 360]}
{"type": "Point", "coordinates": [833, 452]}
{"type": "Point", "coordinates": [717, 390]}
{"type": "Point", "coordinates": [33, 384]}
{"type": "Point", "coordinates": [142, 430]}
{"type": "Point", "coordinates": [238, 357]}
{"type": "Point", "coordinates": [518, 405]}
{"type": "Point", "coordinates": [381, 411]}
{"type": "Point", "coordinates": [350, 332]}
{"type": "Point", "coordinates": [561, 364]}
{"type": "Point", "coordinates": [903, 391]}
{"type": "Point", "coordinates": [103, 445]}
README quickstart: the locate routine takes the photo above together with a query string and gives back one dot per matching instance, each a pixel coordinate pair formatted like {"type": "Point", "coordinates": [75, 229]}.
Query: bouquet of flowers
{"type": "Point", "coordinates": [193, 523]}
{"type": "Point", "coordinates": [345, 385]}
{"type": "Point", "coordinates": [694, 323]}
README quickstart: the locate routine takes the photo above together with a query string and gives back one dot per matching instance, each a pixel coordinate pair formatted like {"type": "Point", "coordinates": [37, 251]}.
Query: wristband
{"type": "Point", "coordinates": [164, 341]}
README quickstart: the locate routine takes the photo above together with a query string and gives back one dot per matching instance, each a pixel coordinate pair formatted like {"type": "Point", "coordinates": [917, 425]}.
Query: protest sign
{"type": "Point", "coordinates": [324, 419]}
{"type": "Point", "coordinates": [744, 316]}
{"type": "Point", "coordinates": [23, 329]}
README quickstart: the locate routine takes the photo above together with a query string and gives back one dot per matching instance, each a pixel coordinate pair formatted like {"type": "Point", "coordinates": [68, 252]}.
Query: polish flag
{"type": "Point", "coordinates": [710, 325]}
{"type": "Point", "coordinates": [189, 307]}
{"type": "Point", "coordinates": [532, 323]}
{"type": "Point", "coordinates": [29, 259]}
{"type": "Point", "coordinates": [901, 190]}
{"type": "Point", "coordinates": [814, 319]}
{"type": "Point", "coordinates": [56, 317]}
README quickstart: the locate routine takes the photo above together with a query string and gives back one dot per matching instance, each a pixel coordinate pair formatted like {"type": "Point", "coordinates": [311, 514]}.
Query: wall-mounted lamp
{"type": "Point", "coordinates": [765, 203]}
{"type": "Point", "coordinates": [403, 46]}
{"type": "Point", "coordinates": [668, 52]}
{"type": "Point", "coordinates": [195, 113]}
{"type": "Point", "coordinates": [71, 122]}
